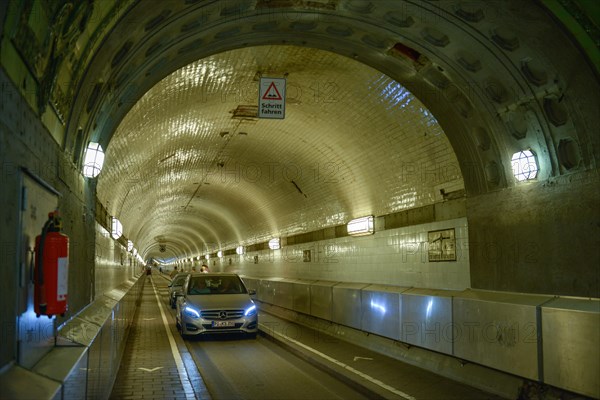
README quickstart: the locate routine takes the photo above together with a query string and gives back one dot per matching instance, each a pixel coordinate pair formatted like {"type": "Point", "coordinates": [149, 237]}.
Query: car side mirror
{"type": "Point", "coordinates": [251, 292]}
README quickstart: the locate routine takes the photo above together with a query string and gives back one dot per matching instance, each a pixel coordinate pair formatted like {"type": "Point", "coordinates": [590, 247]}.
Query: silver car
{"type": "Point", "coordinates": [216, 303]}
{"type": "Point", "coordinates": [176, 287]}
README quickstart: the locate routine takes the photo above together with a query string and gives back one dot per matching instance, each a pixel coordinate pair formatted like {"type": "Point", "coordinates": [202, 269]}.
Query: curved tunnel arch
{"type": "Point", "coordinates": [181, 240]}
{"type": "Point", "coordinates": [474, 145]}
{"type": "Point", "coordinates": [317, 153]}
{"type": "Point", "coordinates": [184, 243]}
{"type": "Point", "coordinates": [188, 236]}
{"type": "Point", "coordinates": [424, 93]}
{"type": "Point", "coordinates": [217, 215]}
{"type": "Point", "coordinates": [200, 235]}
{"type": "Point", "coordinates": [214, 214]}
{"type": "Point", "coordinates": [492, 88]}
{"type": "Point", "coordinates": [172, 252]}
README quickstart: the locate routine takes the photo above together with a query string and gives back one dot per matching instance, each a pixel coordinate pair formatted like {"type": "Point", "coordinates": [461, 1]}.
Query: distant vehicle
{"type": "Point", "coordinates": [176, 287]}
{"type": "Point", "coordinates": [215, 303]}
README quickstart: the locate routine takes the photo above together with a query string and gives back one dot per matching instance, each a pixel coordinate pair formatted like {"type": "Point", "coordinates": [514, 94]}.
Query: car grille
{"type": "Point", "coordinates": [218, 314]}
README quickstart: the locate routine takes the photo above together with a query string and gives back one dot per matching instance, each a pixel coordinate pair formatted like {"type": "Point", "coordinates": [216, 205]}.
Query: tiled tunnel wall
{"type": "Point", "coordinates": [26, 144]}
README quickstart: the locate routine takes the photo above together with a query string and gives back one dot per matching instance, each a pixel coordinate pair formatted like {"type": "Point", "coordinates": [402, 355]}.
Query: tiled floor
{"type": "Point", "coordinates": [149, 369]}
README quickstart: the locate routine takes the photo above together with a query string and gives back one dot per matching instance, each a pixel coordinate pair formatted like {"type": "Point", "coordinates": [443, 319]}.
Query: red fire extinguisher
{"type": "Point", "coordinates": [51, 271]}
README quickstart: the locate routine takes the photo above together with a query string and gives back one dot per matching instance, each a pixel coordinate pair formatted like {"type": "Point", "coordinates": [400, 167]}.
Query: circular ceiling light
{"type": "Point", "coordinates": [524, 165]}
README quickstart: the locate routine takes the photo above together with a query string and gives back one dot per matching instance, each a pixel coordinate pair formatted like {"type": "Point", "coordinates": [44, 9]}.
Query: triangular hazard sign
{"type": "Point", "coordinates": [272, 93]}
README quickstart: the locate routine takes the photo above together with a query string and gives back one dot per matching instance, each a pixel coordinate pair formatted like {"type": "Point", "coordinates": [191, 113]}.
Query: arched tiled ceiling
{"type": "Point", "coordinates": [184, 162]}
{"type": "Point", "coordinates": [493, 85]}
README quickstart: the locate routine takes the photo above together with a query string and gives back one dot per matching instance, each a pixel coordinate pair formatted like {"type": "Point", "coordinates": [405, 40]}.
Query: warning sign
{"type": "Point", "coordinates": [272, 93]}
{"type": "Point", "coordinates": [271, 98]}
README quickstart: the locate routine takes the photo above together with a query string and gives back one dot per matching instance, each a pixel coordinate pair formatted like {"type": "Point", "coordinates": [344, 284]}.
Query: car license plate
{"type": "Point", "coordinates": [222, 324]}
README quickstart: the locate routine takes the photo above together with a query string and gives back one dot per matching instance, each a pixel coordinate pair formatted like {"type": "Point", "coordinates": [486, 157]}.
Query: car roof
{"type": "Point", "coordinates": [205, 274]}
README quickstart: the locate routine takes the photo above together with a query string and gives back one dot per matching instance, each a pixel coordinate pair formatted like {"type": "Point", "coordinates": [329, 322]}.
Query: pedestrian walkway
{"type": "Point", "coordinates": [156, 363]}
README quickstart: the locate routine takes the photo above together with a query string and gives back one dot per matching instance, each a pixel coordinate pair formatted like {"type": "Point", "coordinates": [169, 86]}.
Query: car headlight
{"type": "Point", "coordinates": [191, 312]}
{"type": "Point", "coordinates": [250, 311]}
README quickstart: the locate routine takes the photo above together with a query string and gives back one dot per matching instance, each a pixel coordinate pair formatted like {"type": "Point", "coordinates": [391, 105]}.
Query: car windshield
{"type": "Point", "coordinates": [215, 285]}
{"type": "Point", "coordinates": [179, 280]}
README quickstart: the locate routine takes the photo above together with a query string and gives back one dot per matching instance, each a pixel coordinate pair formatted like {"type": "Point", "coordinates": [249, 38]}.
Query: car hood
{"type": "Point", "coordinates": [219, 301]}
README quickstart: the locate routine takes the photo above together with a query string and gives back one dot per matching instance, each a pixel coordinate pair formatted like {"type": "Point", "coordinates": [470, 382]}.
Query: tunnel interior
{"type": "Point", "coordinates": [189, 164]}
{"type": "Point", "coordinates": [481, 92]}
{"type": "Point", "coordinates": [473, 123]}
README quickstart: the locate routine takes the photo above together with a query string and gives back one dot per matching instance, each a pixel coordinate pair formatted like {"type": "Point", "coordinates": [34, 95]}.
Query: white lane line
{"type": "Point", "coordinates": [346, 366]}
{"type": "Point", "coordinates": [183, 376]}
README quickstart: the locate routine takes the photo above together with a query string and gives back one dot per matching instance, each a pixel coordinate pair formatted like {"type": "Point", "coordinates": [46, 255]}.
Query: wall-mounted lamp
{"type": "Point", "coordinates": [361, 226]}
{"type": "Point", "coordinates": [219, 254]}
{"type": "Point", "coordinates": [129, 246]}
{"type": "Point", "coordinates": [207, 257]}
{"type": "Point", "coordinates": [275, 244]}
{"type": "Point", "coordinates": [116, 228]}
{"type": "Point", "coordinates": [240, 250]}
{"type": "Point", "coordinates": [524, 165]}
{"type": "Point", "coordinates": [93, 161]}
